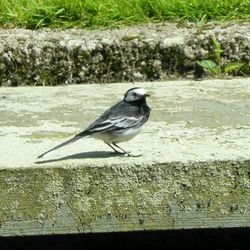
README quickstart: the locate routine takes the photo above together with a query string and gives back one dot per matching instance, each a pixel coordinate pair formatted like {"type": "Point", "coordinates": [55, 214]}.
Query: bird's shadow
{"type": "Point", "coordinates": [85, 155]}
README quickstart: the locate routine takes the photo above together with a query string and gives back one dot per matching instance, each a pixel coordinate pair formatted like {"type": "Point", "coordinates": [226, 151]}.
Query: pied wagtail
{"type": "Point", "coordinates": [120, 123]}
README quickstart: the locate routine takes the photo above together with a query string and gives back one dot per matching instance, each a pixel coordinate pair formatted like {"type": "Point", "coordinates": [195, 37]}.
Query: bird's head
{"type": "Point", "coordinates": [135, 95]}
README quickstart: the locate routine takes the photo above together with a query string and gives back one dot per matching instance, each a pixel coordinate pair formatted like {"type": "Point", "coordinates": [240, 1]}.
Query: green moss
{"type": "Point", "coordinates": [30, 194]}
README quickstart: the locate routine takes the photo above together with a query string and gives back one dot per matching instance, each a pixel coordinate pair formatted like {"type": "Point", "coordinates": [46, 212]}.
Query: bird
{"type": "Point", "coordinates": [120, 123]}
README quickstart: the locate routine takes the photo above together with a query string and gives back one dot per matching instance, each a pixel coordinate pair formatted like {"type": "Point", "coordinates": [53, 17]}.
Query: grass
{"type": "Point", "coordinates": [114, 13]}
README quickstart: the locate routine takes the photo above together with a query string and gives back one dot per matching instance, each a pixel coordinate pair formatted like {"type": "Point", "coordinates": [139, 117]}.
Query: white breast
{"type": "Point", "coordinates": [118, 136]}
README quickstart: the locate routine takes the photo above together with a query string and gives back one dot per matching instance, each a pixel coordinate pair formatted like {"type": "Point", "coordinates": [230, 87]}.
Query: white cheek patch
{"type": "Point", "coordinates": [139, 93]}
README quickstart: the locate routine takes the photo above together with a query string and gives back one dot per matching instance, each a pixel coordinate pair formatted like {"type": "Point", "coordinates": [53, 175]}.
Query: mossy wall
{"type": "Point", "coordinates": [113, 198]}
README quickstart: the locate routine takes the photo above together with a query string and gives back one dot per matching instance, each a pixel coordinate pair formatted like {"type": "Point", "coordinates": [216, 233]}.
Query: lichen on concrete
{"type": "Point", "coordinates": [119, 198]}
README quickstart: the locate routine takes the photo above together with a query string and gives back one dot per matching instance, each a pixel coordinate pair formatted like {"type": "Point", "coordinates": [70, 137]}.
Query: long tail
{"type": "Point", "coordinates": [76, 138]}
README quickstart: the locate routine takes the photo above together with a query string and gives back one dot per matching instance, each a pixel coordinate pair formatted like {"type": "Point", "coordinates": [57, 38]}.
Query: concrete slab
{"type": "Point", "coordinates": [193, 172]}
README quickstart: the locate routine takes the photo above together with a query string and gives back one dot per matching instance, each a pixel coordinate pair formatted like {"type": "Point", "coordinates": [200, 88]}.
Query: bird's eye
{"type": "Point", "coordinates": [134, 94]}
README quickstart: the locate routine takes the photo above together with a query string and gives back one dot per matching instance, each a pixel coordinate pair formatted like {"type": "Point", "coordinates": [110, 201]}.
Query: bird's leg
{"type": "Point", "coordinates": [116, 151]}
{"type": "Point", "coordinates": [125, 152]}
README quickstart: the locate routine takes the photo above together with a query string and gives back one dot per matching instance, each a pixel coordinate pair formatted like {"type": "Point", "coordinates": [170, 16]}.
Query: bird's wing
{"type": "Point", "coordinates": [121, 115]}
{"type": "Point", "coordinates": [127, 122]}
{"type": "Point", "coordinates": [116, 123]}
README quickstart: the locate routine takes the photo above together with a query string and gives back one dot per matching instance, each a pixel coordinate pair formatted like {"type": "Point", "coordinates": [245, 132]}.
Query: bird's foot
{"type": "Point", "coordinates": [126, 154]}
{"type": "Point", "coordinates": [129, 154]}
{"type": "Point", "coordinates": [114, 146]}
{"type": "Point", "coordinates": [132, 155]}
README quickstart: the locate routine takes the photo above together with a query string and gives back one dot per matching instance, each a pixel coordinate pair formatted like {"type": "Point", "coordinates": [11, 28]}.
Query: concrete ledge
{"type": "Point", "coordinates": [140, 53]}
{"type": "Point", "coordinates": [194, 172]}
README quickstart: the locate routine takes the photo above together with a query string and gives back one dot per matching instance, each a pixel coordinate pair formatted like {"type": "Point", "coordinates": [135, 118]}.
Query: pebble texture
{"type": "Point", "coordinates": [140, 53]}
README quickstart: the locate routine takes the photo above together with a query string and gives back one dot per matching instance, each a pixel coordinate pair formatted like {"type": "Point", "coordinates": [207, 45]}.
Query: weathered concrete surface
{"type": "Point", "coordinates": [149, 52]}
{"type": "Point", "coordinates": [194, 171]}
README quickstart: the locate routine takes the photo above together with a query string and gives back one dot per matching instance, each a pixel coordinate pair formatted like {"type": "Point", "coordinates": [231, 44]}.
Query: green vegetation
{"type": "Point", "coordinates": [215, 66]}
{"type": "Point", "coordinates": [112, 13]}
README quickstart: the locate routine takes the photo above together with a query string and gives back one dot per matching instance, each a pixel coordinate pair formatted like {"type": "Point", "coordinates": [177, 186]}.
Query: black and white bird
{"type": "Point", "coordinates": [120, 123]}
